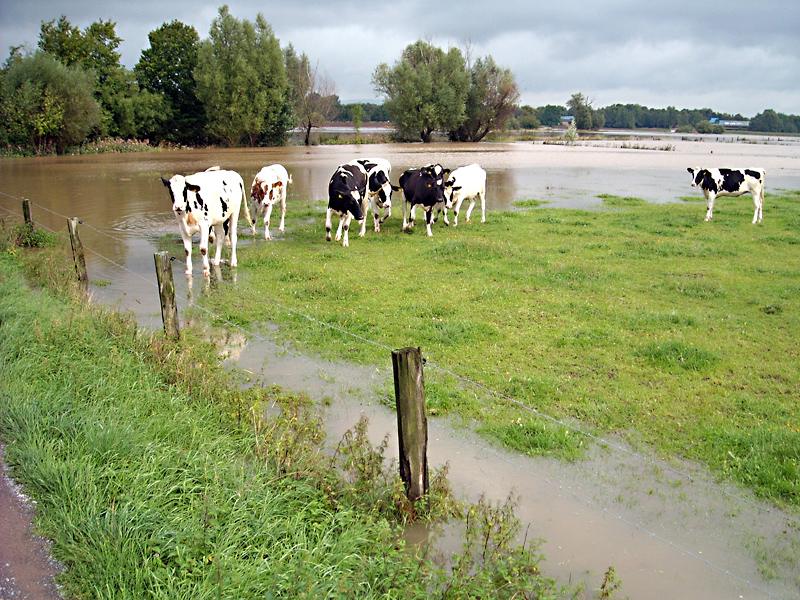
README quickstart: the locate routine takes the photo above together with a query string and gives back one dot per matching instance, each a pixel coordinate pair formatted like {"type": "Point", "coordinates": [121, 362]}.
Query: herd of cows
{"type": "Point", "coordinates": [209, 202]}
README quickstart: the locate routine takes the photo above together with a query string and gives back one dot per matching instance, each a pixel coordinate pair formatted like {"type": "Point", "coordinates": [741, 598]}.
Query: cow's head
{"type": "Point", "coordinates": [698, 175]}
{"type": "Point", "coordinates": [434, 178]}
{"type": "Point", "coordinates": [178, 190]}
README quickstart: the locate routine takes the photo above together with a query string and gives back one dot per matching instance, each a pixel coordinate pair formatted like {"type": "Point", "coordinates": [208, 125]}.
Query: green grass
{"type": "Point", "coordinates": [156, 476]}
{"type": "Point", "coordinates": [641, 320]}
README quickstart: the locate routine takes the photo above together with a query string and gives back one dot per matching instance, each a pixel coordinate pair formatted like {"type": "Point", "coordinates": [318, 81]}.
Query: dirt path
{"type": "Point", "coordinates": [26, 567]}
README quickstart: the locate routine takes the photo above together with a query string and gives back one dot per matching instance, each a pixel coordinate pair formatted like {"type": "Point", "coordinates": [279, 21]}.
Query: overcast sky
{"type": "Point", "coordinates": [732, 56]}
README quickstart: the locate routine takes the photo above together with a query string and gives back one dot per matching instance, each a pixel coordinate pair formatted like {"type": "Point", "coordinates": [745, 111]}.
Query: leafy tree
{"type": "Point", "coordinates": [242, 83]}
{"type": "Point", "coordinates": [313, 99]}
{"type": "Point", "coordinates": [47, 106]}
{"type": "Point", "coordinates": [166, 68]}
{"type": "Point", "coordinates": [425, 90]}
{"type": "Point", "coordinates": [525, 118]}
{"type": "Point", "coordinates": [550, 115]}
{"type": "Point", "coordinates": [492, 96]}
{"type": "Point", "coordinates": [586, 117]}
{"type": "Point", "coordinates": [127, 111]}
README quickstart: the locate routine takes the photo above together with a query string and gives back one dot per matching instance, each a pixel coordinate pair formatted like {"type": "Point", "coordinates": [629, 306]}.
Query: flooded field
{"type": "Point", "coordinates": [667, 531]}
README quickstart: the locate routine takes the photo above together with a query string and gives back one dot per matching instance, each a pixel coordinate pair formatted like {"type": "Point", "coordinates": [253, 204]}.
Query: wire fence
{"type": "Point", "coordinates": [383, 397]}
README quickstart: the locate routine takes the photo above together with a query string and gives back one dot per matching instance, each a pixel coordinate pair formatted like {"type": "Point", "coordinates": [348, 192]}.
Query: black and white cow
{"type": "Point", "coordinates": [424, 187]}
{"type": "Point", "coordinates": [466, 183]}
{"type": "Point", "coordinates": [269, 188]}
{"type": "Point", "coordinates": [379, 191]}
{"type": "Point", "coordinates": [207, 200]}
{"type": "Point", "coordinates": [730, 182]}
{"type": "Point", "coordinates": [346, 192]}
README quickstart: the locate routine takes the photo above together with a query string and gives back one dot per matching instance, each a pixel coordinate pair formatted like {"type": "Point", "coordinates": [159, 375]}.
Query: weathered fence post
{"type": "Point", "coordinates": [412, 422]}
{"type": "Point", "coordinates": [26, 212]}
{"type": "Point", "coordinates": [77, 252]}
{"type": "Point", "coordinates": [166, 291]}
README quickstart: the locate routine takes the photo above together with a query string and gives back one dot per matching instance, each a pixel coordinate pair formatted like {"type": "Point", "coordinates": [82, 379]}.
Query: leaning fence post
{"type": "Point", "coordinates": [77, 252]}
{"type": "Point", "coordinates": [26, 212]}
{"type": "Point", "coordinates": [166, 291]}
{"type": "Point", "coordinates": [412, 422]}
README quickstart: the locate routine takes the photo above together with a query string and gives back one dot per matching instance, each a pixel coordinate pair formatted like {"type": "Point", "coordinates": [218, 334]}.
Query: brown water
{"type": "Point", "coordinates": [666, 532]}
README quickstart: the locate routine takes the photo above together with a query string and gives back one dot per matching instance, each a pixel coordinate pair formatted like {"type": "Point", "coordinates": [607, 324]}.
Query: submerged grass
{"type": "Point", "coordinates": [640, 320]}
{"type": "Point", "coordinates": [156, 477]}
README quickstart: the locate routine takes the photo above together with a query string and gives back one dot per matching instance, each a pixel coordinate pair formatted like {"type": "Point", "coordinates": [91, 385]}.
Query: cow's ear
{"type": "Point", "coordinates": [192, 187]}
{"type": "Point", "coordinates": [395, 188]}
{"type": "Point", "coordinates": [691, 170]}
{"type": "Point", "coordinates": [165, 182]}
{"type": "Point", "coordinates": [457, 187]}
{"type": "Point", "coordinates": [446, 172]}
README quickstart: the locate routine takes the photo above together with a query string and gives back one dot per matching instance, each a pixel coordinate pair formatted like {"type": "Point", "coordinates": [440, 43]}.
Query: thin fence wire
{"type": "Point", "coordinates": [467, 381]}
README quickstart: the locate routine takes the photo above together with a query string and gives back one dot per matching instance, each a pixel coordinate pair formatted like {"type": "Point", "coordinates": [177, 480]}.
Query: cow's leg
{"type": "Point", "coordinates": [483, 206]}
{"type": "Point", "coordinates": [345, 220]}
{"type": "Point", "coordinates": [204, 235]}
{"type": "Point", "coordinates": [469, 210]}
{"type": "Point", "coordinates": [405, 209]}
{"type": "Point", "coordinates": [429, 219]}
{"type": "Point", "coordinates": [758, 200]}
{"type": "Point", "coordinates": [187, 246]}
{"type": "Point", "coordinates": [283, 213]}
{"type": "Point", "coordinates": [341, 226]}
{"type": "Point", "coordinates": [364, 212]}
{"type": "Point", "coordinates": [328, 224]}
{"type": "Point", "coordinates": [234, 235]}
{"type": "Point", "coordinates": [254, 217]}
{"type": "Point", "coordinates": [412, 215]}
{"type": "Point", "coordinates": [709, 213]}
{"type": "Point", "coordinates": [267, 218]}
{"type": "Point", "coordinates": [219, 231]}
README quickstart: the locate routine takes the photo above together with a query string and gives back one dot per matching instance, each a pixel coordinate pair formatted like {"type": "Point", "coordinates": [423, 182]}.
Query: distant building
{"type": "Point", "coordinates": [730, 124]}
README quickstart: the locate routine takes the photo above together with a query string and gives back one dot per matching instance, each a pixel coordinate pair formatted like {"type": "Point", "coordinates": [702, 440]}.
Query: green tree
{"type": "Point", "coordinates": [493, 94]}
{"type": "Point", "coordinates": [425, 90]}
{"type": "Point", "coordinates": [586, 117]}
{"type": "Point", "coordinates": [166, 68]}
{"type": "Point", "coordinates": [242, 83]}
{"type": "Point", "coordinates": [127, 110]}
{"type": "Point", "coordinates": [550, 115]}
{"type": "Point", "coordinates": [47, 106]}
{"type": "Point", "coordinates": [314, 101]}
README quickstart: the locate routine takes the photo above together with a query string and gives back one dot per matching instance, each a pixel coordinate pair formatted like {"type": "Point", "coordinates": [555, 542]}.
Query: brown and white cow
{"type": "Point", "coordinates": [730, 182]}
{"type": "Point", "coordinates": [269, 188]}
{"type": "Point", "coordinates": [207, 200]}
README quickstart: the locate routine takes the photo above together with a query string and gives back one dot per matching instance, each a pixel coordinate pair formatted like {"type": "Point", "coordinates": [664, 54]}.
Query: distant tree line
{"type": "Point", "coordinates": [633, 116]}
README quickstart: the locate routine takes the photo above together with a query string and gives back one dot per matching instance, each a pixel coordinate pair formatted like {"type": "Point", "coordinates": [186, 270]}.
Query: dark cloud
{"type": "Point", "coordinates": [731, 56]}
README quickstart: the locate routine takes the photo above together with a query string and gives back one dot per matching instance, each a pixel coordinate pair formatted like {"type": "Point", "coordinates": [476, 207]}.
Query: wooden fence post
{"type": "Point", "coordinates": [26, 212]}
{"type": "Point", "coordinates": [412, 422]}
{"type": "Point", "coordinates": [166, 291]}
{"type": "Point", "coordinates": [77, 252]}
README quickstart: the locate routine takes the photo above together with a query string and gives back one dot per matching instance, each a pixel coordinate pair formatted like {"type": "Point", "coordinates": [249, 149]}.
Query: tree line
{"type": "Point", "coordinates": [633, 116]}
{"type": "Point", "coordinates": [239, 87]}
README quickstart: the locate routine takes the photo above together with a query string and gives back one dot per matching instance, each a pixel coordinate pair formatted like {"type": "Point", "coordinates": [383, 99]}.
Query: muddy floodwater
{"type": "Point", "coordinates": [667, 529]}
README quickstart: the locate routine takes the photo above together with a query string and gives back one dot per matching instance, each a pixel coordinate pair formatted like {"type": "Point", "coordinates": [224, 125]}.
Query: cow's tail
{"type": "Point", "coordinates": [246, 205]}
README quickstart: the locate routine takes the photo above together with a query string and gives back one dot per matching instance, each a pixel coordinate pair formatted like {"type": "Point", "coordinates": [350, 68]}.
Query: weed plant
{"type": "Point", "coordinates": [639, 320]}
{"type": "Point", "coordinates": [155, 476]}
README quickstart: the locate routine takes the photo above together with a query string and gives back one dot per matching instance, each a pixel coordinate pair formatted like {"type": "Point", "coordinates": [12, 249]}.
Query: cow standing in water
{"type": "Point", "coordinates": [269, 188]}
{"type": "Point", "coordinates": [730, 182]}
{"type": "Point", "coordinates": [346, 192]}
{"type": "Point", "coordinates": [207, 200]}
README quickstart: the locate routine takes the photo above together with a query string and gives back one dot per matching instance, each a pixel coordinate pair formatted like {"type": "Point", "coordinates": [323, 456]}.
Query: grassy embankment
{"type": "Point", "coordinates": [640, 320]}
{"type": "Point", "coordinates": [155, 477]}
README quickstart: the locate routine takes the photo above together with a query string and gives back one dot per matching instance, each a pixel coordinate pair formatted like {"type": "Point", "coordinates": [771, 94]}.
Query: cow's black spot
{"type": "Point", "coordinates": [731, 180]}
{"type": "Point", "coordinates": [753, 174]}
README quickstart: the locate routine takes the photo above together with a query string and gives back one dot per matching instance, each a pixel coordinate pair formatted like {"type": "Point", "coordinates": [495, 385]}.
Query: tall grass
{"type": "Point", "coordinates": [156, 477]}
{"type": "Point", "coordinates": [639, 319]}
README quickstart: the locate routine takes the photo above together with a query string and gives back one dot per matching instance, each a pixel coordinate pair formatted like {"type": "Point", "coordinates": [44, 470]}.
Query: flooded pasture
{"type": "Point", "coordinates": [666, 529]}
